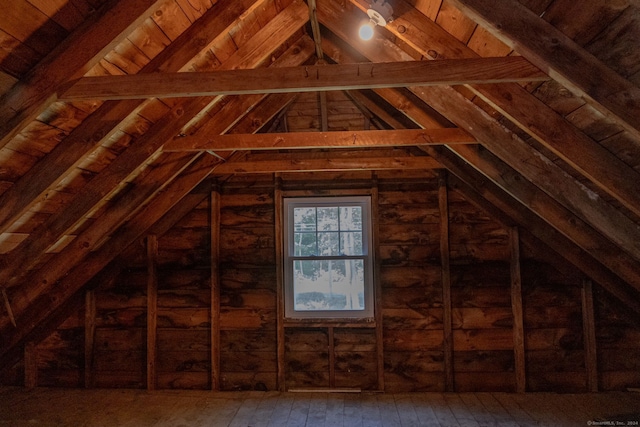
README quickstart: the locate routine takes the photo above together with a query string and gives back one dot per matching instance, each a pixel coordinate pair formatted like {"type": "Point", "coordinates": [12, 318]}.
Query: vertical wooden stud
{"type": "Point", "coordinates": [589, 331]}
{"type": "Point", "coordinates": [324, 114]}
{"type": "Point", "coordinates": [332, 358]}
{"type": "Point", "coordinates": [89, 337]}
{"type": "Point", "coordinates": [279, 243]}
{"type": "Point", "coordinates": [215, 289]}
{"type": "Point", "coordinates": [30, 365]}
{"type": "Point", "coordinates": [375, 229]}
{"type": "Point", "coordinates": [516, 307]}
{"type": "Point", "coordinates": [152, 309]}
{"type": "Point", "coordinates": [447, 342]}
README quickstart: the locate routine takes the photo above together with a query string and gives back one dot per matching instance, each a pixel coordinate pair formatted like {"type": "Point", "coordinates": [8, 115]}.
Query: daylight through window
{"type": "Point", "coordinates": [328, 257]}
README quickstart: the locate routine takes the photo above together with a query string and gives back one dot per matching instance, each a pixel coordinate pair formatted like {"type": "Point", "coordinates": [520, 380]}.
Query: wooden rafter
{"type": "Point", "coordinates": [481, 191]}
{"type": "Point", "coordinates": [529, 113]}
{"type": "Point", "coordinates": [92, 236]}
{"type": "Point", "coordinates": [534, 166]}
{"type": "Point", "coordinates": [29, 251]}
{"type": "Point", "coordinates": [31, 188]}
{"type": "Point", "coordinates": [553, 212]}
{"type": "Point", "coordinates": [567, 62]}
{"type": "Point", "coordinates": [308, 78]}
{"type": "Point", "coordinates": [56, 294]}
{"type": "Point", "coordinates": [71, 59]}
{"type": "Point", "coordinates": [337, 139]}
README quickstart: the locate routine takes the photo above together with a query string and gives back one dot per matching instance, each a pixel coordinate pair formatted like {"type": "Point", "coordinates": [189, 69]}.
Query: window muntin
{"type": "Point", "coordinates": [328, 261]}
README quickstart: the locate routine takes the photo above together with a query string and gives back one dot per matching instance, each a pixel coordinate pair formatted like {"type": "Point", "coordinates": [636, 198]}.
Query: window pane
{"type": "Point", "coordinates": [328, 285]}
{"type": "Point", "coordinates": [328, 244]}
{"type": "Point", "coordinates": [350, 218]}
{"type": "Point", "coordinates": [328, 219]}
{"type": "Point", "coordinates": [304, 219]}
{"type": "Point", "coordinates": [351, 243]}
{"type": "Point", "coordinates": [305, 244]}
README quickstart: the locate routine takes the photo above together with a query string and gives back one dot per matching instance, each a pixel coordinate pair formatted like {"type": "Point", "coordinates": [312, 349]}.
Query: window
{"type": "Point", "coordinates": [328, 257]}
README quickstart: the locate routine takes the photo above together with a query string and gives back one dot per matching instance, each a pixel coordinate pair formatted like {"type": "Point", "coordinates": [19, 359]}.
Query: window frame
{"type": "Point", "coordinates": [289, 204]}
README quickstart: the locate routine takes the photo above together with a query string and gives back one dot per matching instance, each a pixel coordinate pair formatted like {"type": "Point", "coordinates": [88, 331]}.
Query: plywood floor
{"type": "Point", "coordinates": [62, 407]}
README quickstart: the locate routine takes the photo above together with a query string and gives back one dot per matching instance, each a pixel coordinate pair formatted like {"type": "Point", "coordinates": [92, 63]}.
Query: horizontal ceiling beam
{"type": "Point", "coordinates": [306, 140]}
{"type": "Point", "coordinates": [358, 161]}
{"type": "Point", "coordinates": [308, 78]}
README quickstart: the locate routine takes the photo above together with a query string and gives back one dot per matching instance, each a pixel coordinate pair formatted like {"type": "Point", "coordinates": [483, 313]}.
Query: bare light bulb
{"type": "Point", "coordinates": [366, 31]}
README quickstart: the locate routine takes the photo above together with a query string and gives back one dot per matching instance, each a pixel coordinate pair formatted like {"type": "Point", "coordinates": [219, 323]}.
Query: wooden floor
{"type": "Point", "coordinates": [63, 407]}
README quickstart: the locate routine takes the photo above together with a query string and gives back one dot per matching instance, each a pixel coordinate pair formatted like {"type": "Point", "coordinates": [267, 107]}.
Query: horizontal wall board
{"type": "Point", "coordinates": [555, 361]}
{"type": "Point", "coordinates": [408, 234]}
{"type": "Point", "coordinates": [485, 297]}
{"type": "Point", "coordinates": [482, 318]}
{"type": "Point", "coordinates": [414, 298]}
{"type": "Point", "coordinates": [188, 340]}
{"type": "Point", "coordinates": [404, 277]}
{"type": "Point", "coordinates": [409, 255]}
{"type": "Point", "coordinates": [168, 361]}
{"type": "Point", "coordinates": [307, 361]}
{"type": "Point", "coordinates": [482, 339]}
{"type": "Point", "coordinates": [412, 318]}
{"type": "Point", "coordinates": [248, 361]}
{"type": "Point", "coordinates": [408, 214]}
{"type": "Point", "coordinates": [256, 299]}
{"type": "Point", "coordinates": [414, 340]}
{"type": "Point", "coordinates": [241, 318]}
{"type": "Point", "coordinates": [119, 361]}
{"type": "Point", "coordinates": [410, 362]}
{"type": "Point", "coordinates": [553, 338]}
{"type": "Point", "coordinates": [247, 340]}
{"type": "Point", "coordinates": [119, 339]}
{"type": "Point", "coordinates": [483, 361]}
{"type": "Point", "coordinates": [184, 298]}
{"type": "Point", "coordinates": [184, 318]}
{"type": "Point", "coordinates": [306, 340]}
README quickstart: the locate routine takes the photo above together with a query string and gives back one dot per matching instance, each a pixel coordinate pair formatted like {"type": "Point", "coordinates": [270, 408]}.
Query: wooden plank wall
{"type": "Point", "coordinates": [555, 355]}
{"type": "Point", "coordinates": [483, 357]}
{"type": "Point", "coordinates": [410, 275]}
{"type": "Point", "coordinates": [248, 289]}
{"type": "Point", "coordinates": [319, 356]}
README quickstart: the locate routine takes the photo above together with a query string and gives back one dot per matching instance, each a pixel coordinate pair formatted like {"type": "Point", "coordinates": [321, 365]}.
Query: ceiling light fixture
{"type": "Point", "coordinates": [380, 13]}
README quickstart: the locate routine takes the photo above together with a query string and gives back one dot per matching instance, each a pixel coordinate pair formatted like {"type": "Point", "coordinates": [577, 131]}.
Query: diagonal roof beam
{"type": "Point", "coordinates": [252, 122]}
{"type": "Point", "coordinates": [566, 62]}
{"type": "Point", "coordinates": [55, 294]}
{"type": "Point", "coordinates": [259, 48]}
{"type": "Point", "coordinates": [169, 167]}
{"type": "Point", "coordinates": [483, 192]}
{"type": "Point", "coordinates": [545, 214]}
{"type": "Point", "coordinates": [71, 59]}
{"type": "Point", "coordinates": [583, 235]}
{"type": "Point", "coordinates": [31, 188]}
{"type": "Point", "coordinates": [310, 78]}
{"type": "Point", "coordinates": [557, 134]}
{"type": "Point", "coordinates": [504, 143]}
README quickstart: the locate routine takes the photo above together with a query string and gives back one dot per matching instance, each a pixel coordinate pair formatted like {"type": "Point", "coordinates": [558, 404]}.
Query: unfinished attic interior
{"type": "Point", "coordinates": [245, 195]}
